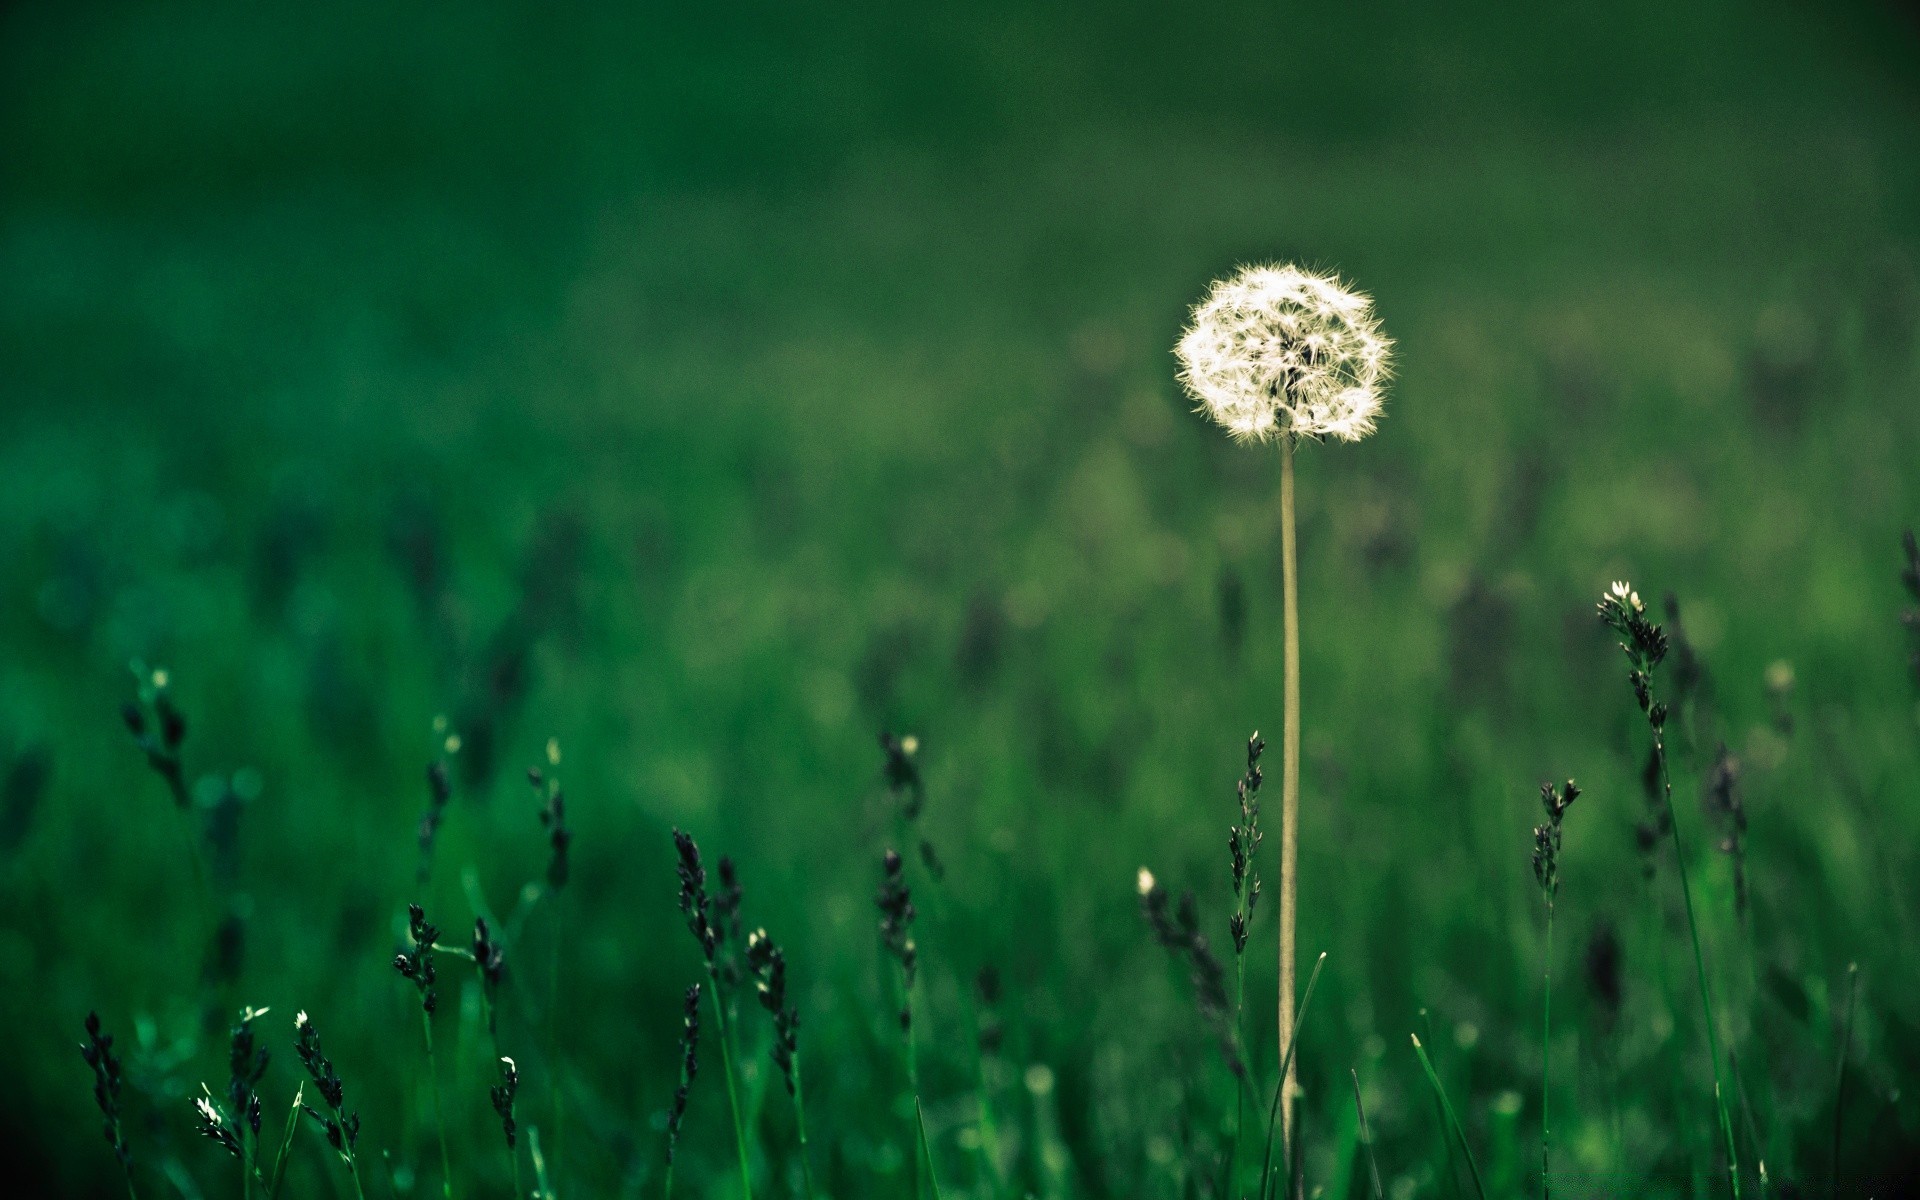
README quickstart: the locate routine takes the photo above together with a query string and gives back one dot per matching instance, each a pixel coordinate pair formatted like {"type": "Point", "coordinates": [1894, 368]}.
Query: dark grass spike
{"type": "Point", "coordinates": [1846, 1045]}
{"type": "Point", "coordinates": [1726, 804]}
{"type": "Point", "coordinates": [1645, 646]}
{"type": "Point", "coordinates": [698, 909]}
{"type": "Point", "coordinates": [416, 964]}
{"type": "Point", "coordinates": [1546, 871]}
{"type": "Point", "coordinates": [159, 728]}
{"type": "Point", "coordinates": [490, 961]}
{"type": "Point", "coordinates": [439, 793]}
{"type": "Point", "coordinates": [768, 964]}
{"type": "Point", "coordinates": [689, 1070]}
{"type": "Point", "coordinates": [342, 1127]}
{"type": "Point", "coordinates": [1453, 1122]}
{"type": "Point", "coordinates": [239, 1132]}
{"type": "Point", "coordinates": [553, 819]}
{"type": "Point", "coordinates": [1243, 846]}
{"type": "Point", "coordinates": [108, 1081]}
{"type": "Point", "coordinates": [1176, 926]}
{"type": "Point", "coordinates": [502, 1095]}
{"type": "Point", "coordinates": [1286, 1061]}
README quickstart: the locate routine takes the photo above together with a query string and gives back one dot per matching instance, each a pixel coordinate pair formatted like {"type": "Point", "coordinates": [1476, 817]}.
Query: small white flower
{"type": "Point", "coordinates": [1277, 351]}
{"type": "Point", "coordinates": [1145, 881]}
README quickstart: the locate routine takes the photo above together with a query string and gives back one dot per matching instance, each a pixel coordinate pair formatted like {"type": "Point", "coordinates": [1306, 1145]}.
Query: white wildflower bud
{"type": "Point", "coordinates": [1276, 351]}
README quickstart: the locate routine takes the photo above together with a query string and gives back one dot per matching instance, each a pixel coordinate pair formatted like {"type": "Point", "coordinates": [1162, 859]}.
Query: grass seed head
{"type": "Point", "coordinates": [502, 1094]}
{"type": "Point", "coordinates": [97, 1051]}
{"type": "Point", "coordinates": [342, 1128]}
{"type": "Point", "coordinates": [1277, 351]}
{"type": "Point", "coordinates": [689, 1067]}
{"type": "Point", "coordinates": [1727, 806]}
{"type": "Point", "coordinates": [1546, 838]}
{"type": "Point", "coordinates": [895, 902]}
{"type": "Point", "coordinates": [694, 904]}
{"type": "Point", "coordinates": [553, 818]}
{"type": "Point", "coordinates": [489, 957]}
{"type": "Point", "coordinates": [416, 962]}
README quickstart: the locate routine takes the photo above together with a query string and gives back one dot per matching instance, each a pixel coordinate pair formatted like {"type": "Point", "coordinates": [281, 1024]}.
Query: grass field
{"type": "Point", "coordinates": [711, 392]}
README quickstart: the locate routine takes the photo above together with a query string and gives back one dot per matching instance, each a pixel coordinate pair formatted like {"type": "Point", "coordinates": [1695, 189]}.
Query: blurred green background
{"type": "Point", "coordinates": [713, 387]}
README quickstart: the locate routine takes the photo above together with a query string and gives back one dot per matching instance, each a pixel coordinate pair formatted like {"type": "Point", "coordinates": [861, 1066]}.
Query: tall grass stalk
{"type": "Point", "coordinates": [1700, 968]}
{"type": "Point", "coordinates": [1453, 1122]}
{"type": "Point", "coordinates": [1546, 871]}
{"type": "Point", "coordinates": [1645, 644]}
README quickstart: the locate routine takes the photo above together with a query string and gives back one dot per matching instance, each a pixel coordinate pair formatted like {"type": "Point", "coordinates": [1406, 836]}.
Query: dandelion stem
{"type": "Point", "coordinates": [1289, 774]}
{"type": "Point", "coordinates": [1700, 965]}
{"type": "Point", "coordinates": [1453, 1122]}
{"type": "Point", "coordinates": [439, 1111]}
{"type": "Point", "coordinates": [726, 1068]}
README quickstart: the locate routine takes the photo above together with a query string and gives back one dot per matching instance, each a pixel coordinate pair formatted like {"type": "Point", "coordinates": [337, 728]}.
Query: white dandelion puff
{"type": "Point", "coordinates": [1277, 351]}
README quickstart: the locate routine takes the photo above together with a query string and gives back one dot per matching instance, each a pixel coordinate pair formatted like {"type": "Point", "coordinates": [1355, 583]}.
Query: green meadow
{"type": "Point", "coordinates": [676, 399]}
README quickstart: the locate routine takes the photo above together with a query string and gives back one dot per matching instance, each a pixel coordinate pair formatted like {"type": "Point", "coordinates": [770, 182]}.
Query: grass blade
{"type": "Point", "coordinates": [1446, 1106]}
{"type": "Point", "coordinates": [286, 1143]}
{"type": "Point", "coordinates": [1366, 1137]}
{"type": "Point", "coordinates": [926, 1152]}
{"type": "Point", "coordinates": [1840, 1075]}
{"type": "Point", "coordinates": [1286, 1063]}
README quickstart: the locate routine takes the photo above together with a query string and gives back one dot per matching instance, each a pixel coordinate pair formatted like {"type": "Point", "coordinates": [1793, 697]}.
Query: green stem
{"type": "Point", "coordinates": [553, 1026]}
{"type": "Point", "coordinates": [1546, 1064]}
{"type": "Point", "coordinates": [439, 1111]}
{"type": "Point", "coordinates": [1239, 1050]}
{"type": "Point", "coordinates": [1289, 770]}
{"type": "Point", "coordinates": [1453, 1122]}
{"type": "Point", "coordinates": [726, 1067]}
{"type": "Point", "coordinates": [800, 1125]}
{"type": "Point", "coordinates": [1700, 966]}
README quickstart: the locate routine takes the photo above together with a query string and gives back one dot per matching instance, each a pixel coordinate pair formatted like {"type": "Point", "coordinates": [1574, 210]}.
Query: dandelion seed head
{"type": "Point", "coordinates": [1277, 351]}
